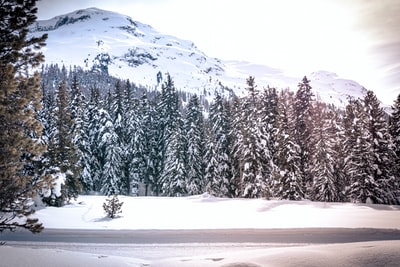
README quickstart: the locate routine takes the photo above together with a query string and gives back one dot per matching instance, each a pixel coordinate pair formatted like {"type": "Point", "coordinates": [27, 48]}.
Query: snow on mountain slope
{"type": "Point", "coordinates": [114, 43]}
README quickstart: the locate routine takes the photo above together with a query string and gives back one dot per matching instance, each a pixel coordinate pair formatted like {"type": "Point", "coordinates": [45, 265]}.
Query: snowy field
{"type": "Point", "coordinates": [206, 212]}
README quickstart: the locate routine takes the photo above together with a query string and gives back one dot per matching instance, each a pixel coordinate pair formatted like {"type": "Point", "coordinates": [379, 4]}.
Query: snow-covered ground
{"type": "Point", "coordinates": [364, 254]}
{"type": "Point", "coordinates": [207, 212]}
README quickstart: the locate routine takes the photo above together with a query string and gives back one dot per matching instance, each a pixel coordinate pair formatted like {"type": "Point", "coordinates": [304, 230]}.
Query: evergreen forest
{"type": "Point", "coordinates": [108, 136]}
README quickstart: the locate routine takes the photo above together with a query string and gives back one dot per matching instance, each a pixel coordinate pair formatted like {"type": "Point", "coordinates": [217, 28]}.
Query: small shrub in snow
{"type": "Point", "coordinates": [112, 206]}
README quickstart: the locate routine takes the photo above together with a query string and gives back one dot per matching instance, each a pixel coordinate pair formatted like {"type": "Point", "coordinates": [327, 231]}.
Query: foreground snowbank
{"type": "Point", "coordinates": [207, 212]}
{"type": "Point", "coordinates": [383, 253]}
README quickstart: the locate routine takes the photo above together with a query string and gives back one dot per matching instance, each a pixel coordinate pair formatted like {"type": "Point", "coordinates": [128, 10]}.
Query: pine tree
{"type": "Point", "coordinates": [268, 113]}
{"type": "Point", "coordinates": [194, 129]}
{"type": "Point", "coordinates": [236, 135]}
{"type": "Point", "coordinates": [119, 111]}
{"type": "Point", "coordinates": [370, 162]}
{"type": "Point", "coordinates": [20, 131]}
{"type": "Point", "coordinates": [395, 133]}
{"type": "Point", "coordinates": [174, 174]}
{"type": "Point", "coordinates": [323, 156]}
{"type": "Point", "coordinates": [341, 179]}
{"type": "Point", "coordinates": [80, 139]}
{"type": "Point", "coordinates": [253, 157]}
{"type": "Point", "coordinates": [166, 117]}
{"type": "Point", "coordinates": [288, 183]}
{"type": "Point", "coordinates": [219, 170]}
{"type": "Point", "coordinates": [148, 148]}
{"type": "Point", "coordinates": [62, 153]}
{"type": "Point", "coordinates": [94, 156]}
{"type": "Point", "coordinates": [363, 186]}
{"type": "Point", "coordinates": [381, 146]}
{"type": "Point", "coordinates": [395, 126]}
{"type": "Point", "coordinates": [303, 128]}
{"type": "Point", "coordinates": [135, 154]}
{"type": "Point", "coordinates": [112, 206]}
{"type": "Point", "coordinates": [111, 183]}
{"type": "Point", "coordinates": [211, 167]}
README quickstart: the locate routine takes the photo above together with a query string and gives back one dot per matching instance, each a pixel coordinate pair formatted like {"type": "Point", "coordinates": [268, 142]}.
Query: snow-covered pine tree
{"type": "Point", "coordinates": [323, 157]}
{"type": "Point", "coordinates": [236, 136]}
{"type": "Point", "coordinates": [78, 107]}
{"type": "Point", "coordinates": [194, 131]}
{"type": "Point", "coordinates": [369, 158]}
{"type": "Point", "coordinates": [135, 148]}
{"type": "Point", "coordinates": [119, 110]}
{"type": "Point", "coordinates": [303, 128]}
{"type": "Point", "coordinates": [353, 129]}
{"type": "Point", "coordinates": [363, 186]}
{"type": "Point", "coordinates": [219, 174]}
{"type": "Point", "coordinates": [339, 165]}
{"type": "Point", "coordinates": [394, 128]}
{"type": "Point", "coordinates": [167, 116]}
{"type": "Point", "coordinates": [174, 174]}
{"type": "Point", "coordinates": [267, 116]}
{"type": "Point", "coordinates": [253, 157]}
{"type": "Point", "coordinates": [149, 150]}
{"type": "Point", "coordinates": [288, 183]}
{"type": "Point", "coordinates": [112, 206]}
{"type": "Point", "coordinates": [383, 165]}
{"type": "Point", "coordinates": [20, 96]}
{"type": "Point", "coordinates": [62, 152]}
{"type": "Point", "coordinates": [211, 166]}
{"type": "Point", "coordinates": [93, 158]}
{"type": "Point", "coordinates": [111, 183]}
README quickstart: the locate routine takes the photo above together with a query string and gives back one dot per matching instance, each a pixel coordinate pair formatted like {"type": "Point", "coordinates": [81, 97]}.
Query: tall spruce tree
{"type": "Point", "coordinates": [341, 179]}
{"type": "Point", "coordinates": [383, 164]}
{"type": "Point", "coordinates": [135, 154]}
{"type": "Point", "coordinates": [303, 129]}
{"type": "Point", "coordinates": [148, 143]}
{"type": "Point", "coordinates": [92, 179]}
{"type": "Point", "coordinates": [219, 166]}
{"type": "Point", "coordinates": [370, 159]}
{"type": "Point", "coordinates": [110, 157]}
{"type": "Point", "coordinates": [121, 104]}
{"type": "Point", "coordinates": [175, 174]}
{"type": "Point", "coordinates": [287, 178]}
{"type": "Point", "coordinates": [267, 115]}
{"type": "Point", "coordinates": [168, 114]}
{"type": "Point", "coordinates": [20, 131]}
{"type": "Point", "coordinates": [62, 152]}
{"type": "Point", "coordinates": [236, 135]}
{"type": "Point", "coordinates": [395, 133]}
{"type": "Point", "coordinates": [194, 130]}
{"type": "Point", "coordinates": [323, 156]}
{"type": "Point", "coordinates": [253, 154]}
{"type": "Point", "coordinates": [80, 138]}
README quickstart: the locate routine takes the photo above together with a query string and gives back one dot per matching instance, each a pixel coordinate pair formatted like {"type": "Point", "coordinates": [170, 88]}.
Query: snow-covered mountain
{"type": "Point", "coordinates": [107, 41]}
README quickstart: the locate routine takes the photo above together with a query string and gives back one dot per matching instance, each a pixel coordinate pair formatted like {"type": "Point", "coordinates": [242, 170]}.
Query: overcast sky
{"type": "Point", "coordinates": [357, 39]}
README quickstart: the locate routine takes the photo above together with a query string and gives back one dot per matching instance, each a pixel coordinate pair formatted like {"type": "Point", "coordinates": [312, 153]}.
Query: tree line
{"type": "Point", "coordinates": [270, 143]}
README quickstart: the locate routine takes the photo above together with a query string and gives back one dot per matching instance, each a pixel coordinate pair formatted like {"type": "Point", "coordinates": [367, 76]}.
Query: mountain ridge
{"type": "Point", "coordinates": [109, 42]}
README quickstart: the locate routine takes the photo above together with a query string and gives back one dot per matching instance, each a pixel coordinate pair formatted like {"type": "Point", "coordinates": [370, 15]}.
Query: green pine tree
{"type": "Point", "coordinates": [63, 152]}
{"type": "Point", "coordinates": [20, 131]}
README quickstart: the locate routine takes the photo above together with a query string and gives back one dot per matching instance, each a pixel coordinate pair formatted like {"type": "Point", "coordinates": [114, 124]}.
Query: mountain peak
{"type": "Point", "coordinates": [105, 41]}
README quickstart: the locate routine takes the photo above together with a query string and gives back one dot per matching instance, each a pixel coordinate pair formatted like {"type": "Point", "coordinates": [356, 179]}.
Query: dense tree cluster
{"type": "Point", "coordinates": [128, 140]}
